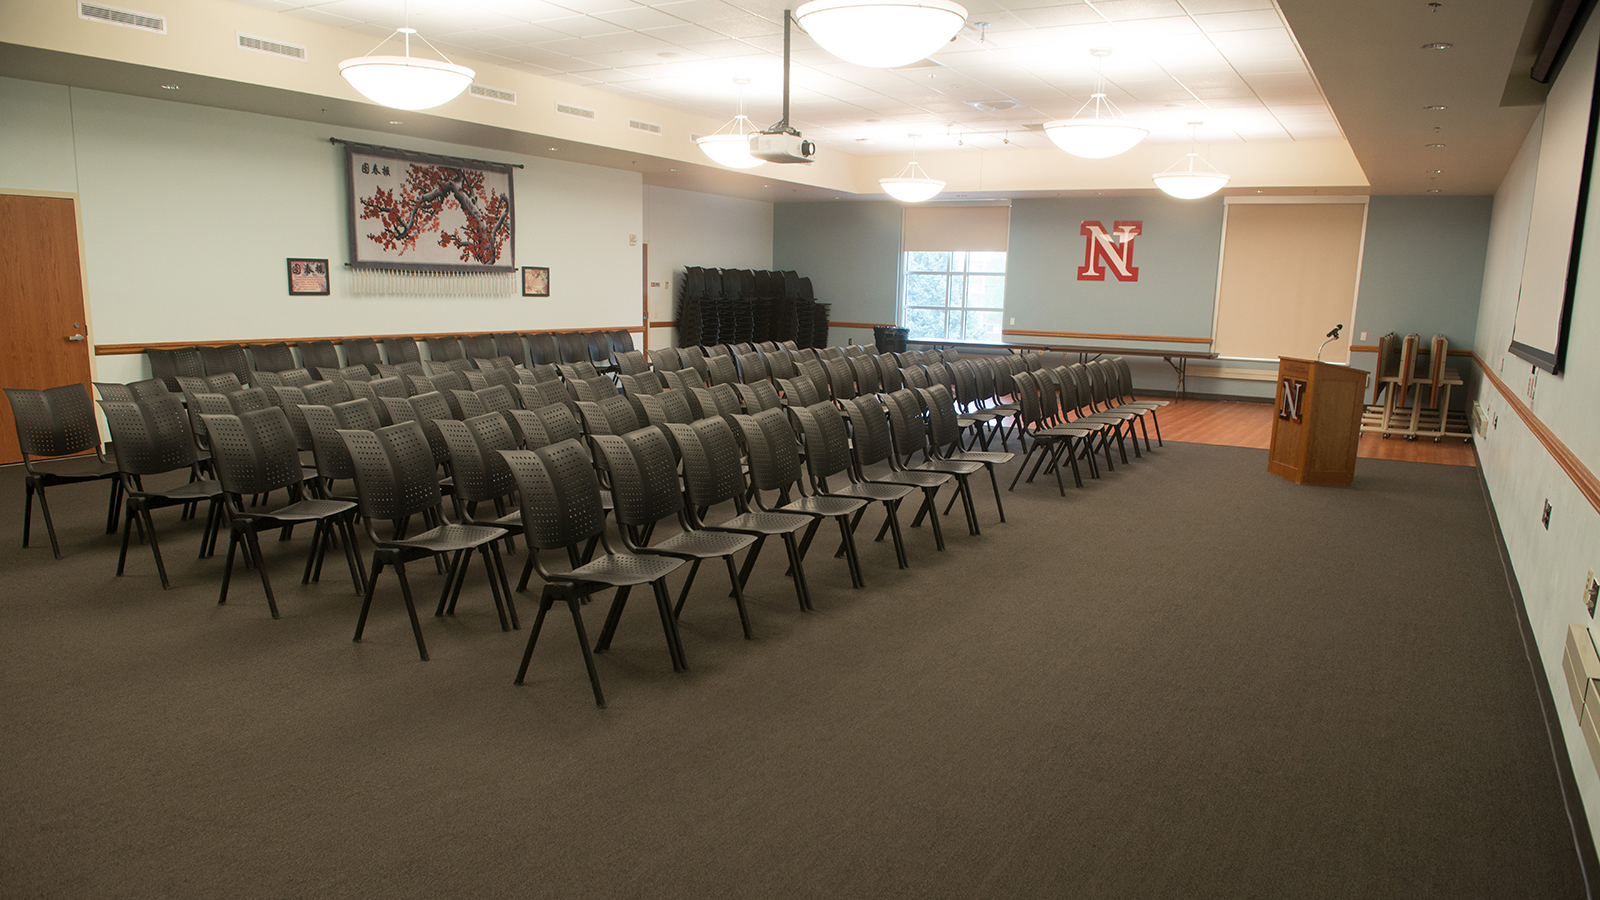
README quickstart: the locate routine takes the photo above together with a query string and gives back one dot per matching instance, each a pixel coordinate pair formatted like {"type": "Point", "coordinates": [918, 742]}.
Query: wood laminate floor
{"type": "Point", "coordinates": [1232, 424]}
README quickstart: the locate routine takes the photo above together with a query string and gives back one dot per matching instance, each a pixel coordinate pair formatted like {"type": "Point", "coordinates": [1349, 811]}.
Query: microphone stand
{"type": "Point", "coordinates": [1332, 336]}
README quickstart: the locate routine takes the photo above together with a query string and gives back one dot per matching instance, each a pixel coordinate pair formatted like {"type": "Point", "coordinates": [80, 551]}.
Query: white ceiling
{"type": "Point", "coordinates": [1233, 64]}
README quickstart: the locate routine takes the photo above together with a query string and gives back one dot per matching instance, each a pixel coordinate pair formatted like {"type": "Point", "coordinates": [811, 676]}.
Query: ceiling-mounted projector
{"type": "Point", "coordinates": [782, 147]}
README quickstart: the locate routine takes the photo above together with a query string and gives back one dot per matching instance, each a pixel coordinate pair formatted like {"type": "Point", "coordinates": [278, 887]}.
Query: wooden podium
{"type": "Point", "coordinates": [1318, 422]}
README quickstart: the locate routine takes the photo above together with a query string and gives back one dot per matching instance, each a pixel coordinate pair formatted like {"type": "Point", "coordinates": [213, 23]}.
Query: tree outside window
{"type": "Point", "coordinates": [955, 296]}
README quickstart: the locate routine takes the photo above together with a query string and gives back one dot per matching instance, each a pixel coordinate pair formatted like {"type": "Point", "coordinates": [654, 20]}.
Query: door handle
{"type": "Point", "coordinates": [74, 337]}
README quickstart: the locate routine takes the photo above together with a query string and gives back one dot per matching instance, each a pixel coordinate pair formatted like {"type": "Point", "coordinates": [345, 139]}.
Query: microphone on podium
{"type": "Point", "coordinates": [1332, 336]}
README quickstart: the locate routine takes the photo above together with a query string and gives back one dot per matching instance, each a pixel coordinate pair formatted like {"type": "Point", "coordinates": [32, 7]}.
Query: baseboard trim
{"type": "Point", "coordinates": [1572, 801]}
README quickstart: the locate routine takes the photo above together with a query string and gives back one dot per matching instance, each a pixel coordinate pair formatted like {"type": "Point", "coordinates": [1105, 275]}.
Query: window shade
{"type": "Point", "coordinates": [1289, 273]}
{"type": "Point", "coordinates": [936, 229]}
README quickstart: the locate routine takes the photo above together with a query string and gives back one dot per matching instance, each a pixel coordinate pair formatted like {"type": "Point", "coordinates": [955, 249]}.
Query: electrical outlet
{"type": "Point", "coordinates": [1545, 519]}
{"type": "Point", "coordinates": [1590, 593]}
{"type": "Point", "coordinates": [1363, 335]}
{"type": "Point", "coordinates": [1013, 320]}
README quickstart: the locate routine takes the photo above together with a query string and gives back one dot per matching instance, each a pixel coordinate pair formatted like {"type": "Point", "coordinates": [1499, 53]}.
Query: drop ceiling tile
{"type": "Point", "coordinates": [321, 18]}
{"type": "Point", "coordinates": [575, 78]}
{"type": "Point", "coordinates": [478, 41]}
{"type": "Point", "coordinates": [523, 10]}
{"type": "Point", "coordinates": [720, 49]}
{"type": "Point", "coordinates": [570, 47]}
{"type": "Point", "coordinates": [532, 69]}
{"type": "Point", "coordinates": [527, 33]}
{"type": "Point", "coordinates": [745, 28]}
{"type": "Point", "coordinates": [1254, 43]}
{"type": "Point", "coordinates": [582, 26]}
{"type": "Point", "coordinates": [699, 10]}
{"type": "Point", "coordinates": [1050, 16]}
{"type": "Point", "coordinates": [1124, 10]}
{"type": "Point", "coordinates": [1267, 65]}
{"type": "Point", "coordinates": [272, 5]}
{"type": "Point", "coordinates": [588, 7]}
{"type": "Point", "coordinates": [638, 17]}
{"type": "Point", "coordinates": [363, 11]}
{"type": "Point", "coordinates": [1240, 21]}
{"type": "Point", "coordinates": [1204, 7]}
{"type": "Point", "coordinates": [1140, 30]}
{"type": "Point", "coordinates": [682, 34]}
{"type": "Point", "coordinates": [619, 59]}
{"type": "Point", "coordinates": [630, 40]}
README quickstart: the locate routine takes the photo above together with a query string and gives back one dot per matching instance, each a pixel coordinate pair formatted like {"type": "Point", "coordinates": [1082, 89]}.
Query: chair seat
{"type": "Point", "coordinates": [194, 490]}
{"type": "Point", "coordinates": [619, 571]}
{"type": "Point", "coordinates": [916, 478]}
{"type": "Point", "coordinates": [451, 538]}
{"type": "Point", "coordinates": [702, 544]}
{"type": "Point", "coordinates": [308, 510]}
{"type": "Point", "coordinates": [66, 470]}
{"type": "Point", "coordinates": [764, 523]}
{"type": "Point", "coordinates": [953, 466]}
{"type": "Point", "coordinates": [824, 506]}
{"type": "Point", "coordinates": [982, 456]}
{"type": "Point", "coordinates": [875, 491]}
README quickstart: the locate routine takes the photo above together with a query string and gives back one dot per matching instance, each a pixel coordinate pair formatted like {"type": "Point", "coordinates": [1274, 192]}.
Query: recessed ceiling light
{"type": "Point", "coordinates": [1433, 190]}
{"type": "Point", "coordinates": [1436, 107]}
{"type": "Point", "coordinates": [552, 149]}
{"type": "Point", "coordinates": [1437, 45]}
{"type": "Point", "coordinates": [1435, 171]}
{"type": "Point", "coordinates": [1433, 145]}
{"type": "Point", "coordinates": [1174, 106]}
{"type": "Point", "coordinates": [669, 54]}
{"type": "Point", "coordinates": [396, 122]}
{"type": "Point", "coordinates": [170, 87]}
{"type": "Point", "coordinates": [672, 170]}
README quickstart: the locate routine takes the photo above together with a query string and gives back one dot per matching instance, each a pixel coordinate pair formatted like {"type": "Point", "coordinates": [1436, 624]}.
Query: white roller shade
{"type": "Point", "coordinates": [944, 229]}
{"type": "Point", "coordinates": [1289, 274]}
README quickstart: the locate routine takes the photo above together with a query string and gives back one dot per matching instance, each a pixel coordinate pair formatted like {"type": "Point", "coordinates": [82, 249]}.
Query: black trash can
{"type": "Point", "coordinates": [890, 339]}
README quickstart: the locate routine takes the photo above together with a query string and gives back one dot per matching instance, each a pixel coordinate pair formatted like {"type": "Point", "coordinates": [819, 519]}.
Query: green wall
{"type": "Point", "coordinates": [850, 251]}
{"type": "Point", "coordinates": [1422, 267]}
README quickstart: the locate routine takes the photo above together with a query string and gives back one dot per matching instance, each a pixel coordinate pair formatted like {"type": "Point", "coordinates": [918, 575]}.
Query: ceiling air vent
{"type": "Point", "coordinates": [567, 109]}
{"type": "Point", "coordinates": [127, 18]}
{"type": "Point", "coordinates": [498, 95]}
{"type": "Point", "coordinates": [646, 127]}
{"type": "Point", "coordinates": [271, 47]}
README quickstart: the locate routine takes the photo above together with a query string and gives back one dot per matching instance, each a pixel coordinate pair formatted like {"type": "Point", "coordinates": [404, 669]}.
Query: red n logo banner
{"type": "Point", "coordinates": [1113, 251]}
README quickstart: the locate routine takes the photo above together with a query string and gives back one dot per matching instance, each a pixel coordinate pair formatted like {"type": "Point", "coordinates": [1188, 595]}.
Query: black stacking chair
{"type": "Point", "coordinates": [598, 347]}
{"type": "Point", "coordinates": [666, 359]}
{"type": "Point", "coordinates": [752, 367]}
{"type": "Point", "coordinates": [758, 396]}
{"type": "Point", "coordinates": [509, 344]}
{"type": "Point", "coordinates": [318, 355]}
{"type": "Point", "coordinates": [545, 393]}
{"type": "Point", "coordinates": [681, 379]}
{"type": "Point", "coordinates": [722, 369]}
{"type": "Point", "coordinates": [774, 457]}
{"type": "Point", "coordinates": [592, 389]}
{"type": "Point", "coordinates": [54, 426]}
{"type": "Point", "coordinates": [396, 479]}
{"type": "Point", "coordinates": [713, 474]}
{"type": "Point", "coordinates": [561, 509]}
{"type": "Point", "coordinates": [647, 382]}
{"type": "Point", "coordinates": [332, 459]}
{"type": "Point", "coordinates": [780, 364]}
{"type": "Point", "coordinates": [168, 364]}
{"type": "Point", "coordinates": [645, 490]}
{"type": "Point", "coordinates": [152, 438]}
{"type": "Point", "coordinates": [247, 399]}
{"type": "Point", "coordinates": [621, 341]}
{"type": "Point", "coordinates": [362, 352]}
{"type": "Point", "coordinates": [909, 432]}
{"type": "Point", "coordinates": [632, 362]}
{"type": "Point", "coordinates": [871, 445]}
{"type": "Point", "coordinates": [478, 473]}
{"type": "Point", "coordinates": [1051, 442]}
{"type": "Point", "coordinates": [543, 349]}
{"type": "Point", "coordinates": [401, 349]}
{"type": "Point", "coordinates": [571, 347]}
{"type": "Point", "coordinates": [800, 391]}
{"type": "Point", "coordinates": [538, 372]}
{"type": "Point", "coordinates": [478, 346]}
{"type": "Point", "coordinates": [578, 371]}
{"type": "Point", "coordinates": [442, 349]}
{"type": "Point", "coordinates": [944, 438]}
{"type": "Point", "coordinates": [544, 426]}
{"type": "Point", "coordinates": [828, 456]}
{"type": "Point", "coordinates": [224, 359]}
{"type": "Point", "coordinates": [276, 357]}
{"type": "Point", "coordinates": [667, 407]}
{"type": "Point", "coordinates": [255, 454]}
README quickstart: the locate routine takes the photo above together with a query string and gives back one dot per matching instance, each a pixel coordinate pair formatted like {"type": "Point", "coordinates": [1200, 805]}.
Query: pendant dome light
{"type": "Point", "coordinates": [1188, 184]}
{"type": "Point", "coordinates": [912, 184]}
{"type": "Point", "coordinates": [881, 34]}
{"type": "Point", "coordinates": [1102, 136]}
{"type": "Point", "coordinates": [404, 82]}
{"type": "Point", "coordinates": [732, 148]}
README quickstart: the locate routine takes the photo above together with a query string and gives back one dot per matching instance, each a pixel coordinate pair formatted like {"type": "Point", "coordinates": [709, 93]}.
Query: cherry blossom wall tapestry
{"type": "Point", "coordinates": [423, 213]}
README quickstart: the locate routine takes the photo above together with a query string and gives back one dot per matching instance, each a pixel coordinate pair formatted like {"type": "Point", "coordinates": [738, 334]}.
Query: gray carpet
{"type": "Point", "coordinates": [1189, 679]}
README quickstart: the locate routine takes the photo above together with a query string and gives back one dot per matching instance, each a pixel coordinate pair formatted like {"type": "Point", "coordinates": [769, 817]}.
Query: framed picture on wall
{"type": "Point", "coordinates": [308, 276]}
{"type": "Point", "coordinates": [535, 281]}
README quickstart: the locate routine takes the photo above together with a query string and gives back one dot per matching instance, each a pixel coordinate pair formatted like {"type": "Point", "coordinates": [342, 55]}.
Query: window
{"type": "Point", "coordinates": [953, 296]}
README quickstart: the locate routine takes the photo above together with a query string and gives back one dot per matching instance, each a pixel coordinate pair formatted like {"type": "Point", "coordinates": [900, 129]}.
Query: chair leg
{"type": "Point", "coordinates": [669, 625]}
{"type": "Point", "coordinates": [683, 595]}
{"type": "Point", "coordinates": [227, 566]}
{"type": "Point", "coordinates": [850, 552]}
{"type": "Point", "coordinates": [613, 616]}
{"type": "Point", "coordinates": [131, 513]}
{"type": "Point", "coordinates": [494, 583]}
{"type": "Point", "coordinates": [995, 483]}
{"type": "Point", "coordinates": [351, 555]}
{"type": "Point", "coordinates": [113, 507]}
{"type": "Point", "coordinates": [455, 574]}
{"type": "Point", "coordinates": [892, 510]}
{"type": "Point", "coordinates": [802, 591]}
{"type": "Point", "coordinates": [411, 609]}
{"type": "Point", "coordinates": [261, 567]}
{"type": "Point", "coordinates": [583, 641]}
{"type": "Point", "coordinates": [49, 523]}
{"type": "Point", "coordinates": [505, 586]}
{"type": "Point", "coordinates": [738, 597]}
{"type": "Point", "coordinates": [155, 546]}
{"type": "Point", "coordinates": [545, 600]}
{"type": "Point", "coordinates": [930, 506]}
{"type": "Point", "coordinates": [366, 598]}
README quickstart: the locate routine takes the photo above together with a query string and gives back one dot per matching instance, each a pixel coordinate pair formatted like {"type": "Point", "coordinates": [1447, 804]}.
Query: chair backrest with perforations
{"type": "Point", "coordinates": [362, 352]}
{"type": "Point", "coordinates": [545, 426]}
{"type": "Point", "coordinates": [906, 424]}
{"type": "Point", "coordinates": [537, 373]}
{"type": "Point", "coordinates": [276, 357]}
{"type": "Point", "coordinates": [722, 369]}
{"type": "Point", "coordinates": [509, 344]}
{"type": "Point", "coordinates": [167, 365]}
{"type": "Point", "coordinates": [296, 377]}
{"type": "Point", "coordinates": [333, 460]}
{"type": "Point", "coordinates": [666, 359]}
{"type": "Point", "coordinates": [643, 383]}
{"type": "Point", "coordinates": [712, 471]}
{"type": "Point", "coordinates": [944, 431]}
{"type": "Point", "coordinates": [542, 349]}
{"type": "Point", "coordinates": [424, 409]}
{"type": "Point", "coordinates": [799, 391]}
{"type": "Point", "coordinates": [865, 370]}
{"type": "Point", "coordinates": [56, 421]}
{"type": "Point", "coordinates": [398, 409]}
{"type": "Point", "coordinates": [406, 481]}
{"type": "Point", "coordinates": [758, 396]}
{"type": "Point", "coordinates": [774, 455]}
{"type": "Point", "coordinates": [401, 349]}
{"type": "Point", "coordinates": [227, 359]}
{"type": "Point", "coordinates": [114, 391]}
{"type": "Point", "coordinates": [752, 367]}
{"type": "Point", "coordinates": [1027, 394]}
{"type": "Point", "coordinates": [666, 407]}
{"type": "Point", "coordinates": [151, 436]}
{"type": "Point", "coordinates": [192, 384]}
{"type": "Point", "coordinates": [318, 354]}
{"type": "Point", "coordinates": [593, 389]}
{"type": "Point", "coordinates": [275, 460]}
{"type": "Point", "coordinates": [718, 400]}
{"type": "Point", "coordinates": [441, 349]}
{"type": "Point", "coordinates": [544, 393]}
{"type": "Point", "coordinates": [827, 440]}
{"type": "Point", "coordinates": [630, 501]}
{"type": "Point", "coordinates": [631, 362]}
{"type": "Point", "coordinates": [680, 379]}
{"type": "Point", "coordinates": [560, 494]}
{"type": "Point", "coordinates": [478, 346]}
{"type": "Point", "coordinates": [611, 415]}
{"type": "Point", "coordinates": [780, 364]}
{"type": "Point", "coordinates": [869, 431]}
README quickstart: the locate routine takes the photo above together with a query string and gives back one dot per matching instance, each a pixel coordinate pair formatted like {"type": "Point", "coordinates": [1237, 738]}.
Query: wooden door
{"type": "Point", "coordinates": [41, 302]}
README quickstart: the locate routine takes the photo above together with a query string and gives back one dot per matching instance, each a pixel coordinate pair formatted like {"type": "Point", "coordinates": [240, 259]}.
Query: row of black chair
{"type": "Point", "coordinates": [727, 306]}
{"type": "Point", "coordinates": [242, 361]}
